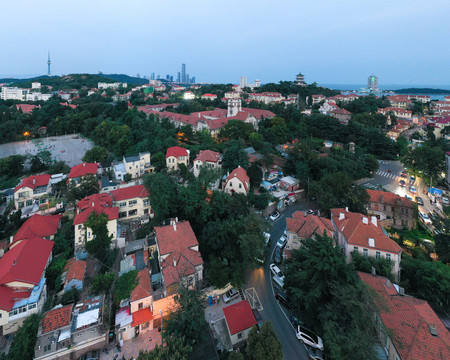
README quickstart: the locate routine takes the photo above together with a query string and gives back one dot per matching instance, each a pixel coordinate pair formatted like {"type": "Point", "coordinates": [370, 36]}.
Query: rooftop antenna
{"type": "Point", "coordinates": [48, 64]}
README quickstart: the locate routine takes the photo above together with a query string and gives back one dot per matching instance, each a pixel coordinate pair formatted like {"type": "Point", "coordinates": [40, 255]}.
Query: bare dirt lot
{"type": "Point", "coordinates": [68, 148]}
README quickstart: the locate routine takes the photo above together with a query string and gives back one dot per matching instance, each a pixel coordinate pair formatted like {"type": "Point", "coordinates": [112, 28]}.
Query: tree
{"type": "Point", "coordinates": [23, 344]}
{"type": "Point", "coordinates": [255, 174]}
{"type": "Point", "coordinates": [70, 297]}
{"type": "Point", "coordinates": [264, 343]}
{"type": "Point", "coordinates": [97, 154]}
{"type": "Point", "coordinates": [235, 356]}
{"type": "Point", "coordinates": [101, 242]}
{"type": "Point", "coordinates": [59, 167]}
{"type": "Point", "coordinates": [174, 349]}
{"type": "Point", "coordinates": [102, 283]}
{"type": "Point", "coordinates": [442, 246]}
{"type": "Point", "coordinates": [127, 177]}
{"type": "Point", "coordinates": [187, 319]}
{"type": "Point", "coordinates": [124, 286]}
{"type": "Point", "coordinates": [163, 192]}
{"type": "Point", "coordinates": [234, 156]}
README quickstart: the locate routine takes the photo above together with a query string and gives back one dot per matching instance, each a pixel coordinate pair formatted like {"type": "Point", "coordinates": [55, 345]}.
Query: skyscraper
{"type": "Point", "coordinates": [372, 83]}
{"type": "Point", "coordinates": [48, 64]}
{"type": "Point", "coordinates": [178, 76]}
{"type": "Point", "coordinates": [243, 82]}
{"type": "Point", "coordinates": [183, 73]}
{"type": "Point", "coordinates": [152, 76]}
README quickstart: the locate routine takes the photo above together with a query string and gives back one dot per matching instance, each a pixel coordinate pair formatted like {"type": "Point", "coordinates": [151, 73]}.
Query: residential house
{"type": "Point", "coordinates": [107, 185]}
{"type": "Point", "coordinates": [99, 204]}
{"type": "Point", "coordinates": [37, 226]}
{"type": "Point", "coordinates": [27, 108]}
{"type": "Point", "coordinates": [75, 275]}
{"type": "Point", "coordinates": [54, 332]}
{"type": "Point", "coordinates": [179, 256]}
{"type": "Point", "coordinates": [237, 181]}
{"type": "Point", "coordinates": [209, 97]}
{"type": "Point", "coordinates": [303, 226]}
{"type": "Point", "coordinates": [392, 210]}
{"type": "Point", "coordinates": [240, 319]}
{"type": "Point", "coordinates": [141, 303]}
{"type": "Point", "coordinates": [317, 99]}
{"type": "Point", "coordinates": [289, 183]}
{"type": "Point", "coordinates": [135, 165]}
{"type": "Point", "coordinates": [209, 159]}
{"type": "Point", "coordinates": [22, 282]}
{"type": "Point", "coordinates": [406, 327]}
{"type": "Point", "coordinates": [133, 202]}
{"type": "Point", "coordinates": [32, 190]}
{"type": "Point", "coordinates": [80, 171]}
{"type": "Point", "coordinates": [342, 115]}
{"type": "Point", "coordinates": [354, 232]}
{"type": "Point", "coordinates": [397, 111]}
{"type": "Point", "coordinates": [175, 156]}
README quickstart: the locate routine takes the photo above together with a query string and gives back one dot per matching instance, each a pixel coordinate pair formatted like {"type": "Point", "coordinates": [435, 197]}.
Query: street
{"type": "Point", "coordinates": [260, 280]}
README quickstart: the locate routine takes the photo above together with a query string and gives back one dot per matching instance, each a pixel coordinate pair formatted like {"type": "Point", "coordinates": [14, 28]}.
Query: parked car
{"type": "Point", "coordinates": [307, 337]}
{"type": "Point", "coordinates": [282, 241]}
{"type": "Point", "coordinates": [409, 197]}
{"type": "Point", "coordinates": [277, 255]}
{"type": "Point", "coordinates": [275, 216]}
{"type": "Point", "coordinates": [282, 298]}
{"type": "Point", "coordinates": [424, 217]}
{"type": "Point", "coordinates": [276, 271]}
{"type": "Point", "coordinates": [445, 200]}
{"type": "Point", "coordinates": [279, 283]}
{"type": "Point", "coordinates": [412, 189]}
{"type": "Point", "coordinates": [402, 183]}
{"type": "Point", "coordinates": [412, 178]}
{"type": "Point", "coordinates": [230, 294]}
{"type": "Point", "coordinates": [419, 200]}
{"type": "Point", "coordinates": [404, 174]}
{"type": "Point", "coordinates": [315, 354]}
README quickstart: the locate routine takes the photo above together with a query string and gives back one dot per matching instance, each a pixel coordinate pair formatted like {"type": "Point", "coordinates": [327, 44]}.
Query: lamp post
{"type": "Point", "coordinates": [160, 313]}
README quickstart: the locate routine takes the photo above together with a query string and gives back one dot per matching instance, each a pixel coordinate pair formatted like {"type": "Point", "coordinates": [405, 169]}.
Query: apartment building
{"type": "Point", "coordinates": [133, 202]}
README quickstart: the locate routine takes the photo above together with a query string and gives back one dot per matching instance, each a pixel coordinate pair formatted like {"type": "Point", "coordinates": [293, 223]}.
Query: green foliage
{"type": "Point", "coordinates": [382, 266]}
{"type": "Point", "coordinates": [124, 286]}
{"type": "Point", "coordinates": [64, 239]}
{"type": "Point", "coordinates": [260, 201]}
{"type": "Point", "coordinates": [101, 242]}
{"type": "Point", "coordinates": [127, 177]}
{"type": "Point", "coordinates": [97, 154]}
{"type": "Point", "coordinates": [442, 246]}
{"type": "Point", "coordinates": [25, 338]}
{"type": "Point", "coordinates": [188, 319]}
{"type": "Point", "coordinates": [234, 156]}
{"type": "Point", "coordinates": [426, 279]}
{"type": "Point", "coordinates": [70, 297]}
{"type": "Point", "coordinates": [175, 349]}
{"type": "Point", "coordinates": [163, 192]}
{"type": "Point", "coordinates": [88, 186]}
{"type": "Point", "coordinates": [236, 129]}
{"type": "Point", "coordinates": [366, 104]}
{"type": "Point", "coordinates": [255, 174]}
{"type": "Point", "coordinates": [428, 159]}
{"type": "Point", "coordinates": [53, 273]}
{"type": "Point", "coordinates": [102, 283]}
{"type": "Point", "coordinates": [12, 166]}
{"type": "Point", "coordinates": [264, 343]}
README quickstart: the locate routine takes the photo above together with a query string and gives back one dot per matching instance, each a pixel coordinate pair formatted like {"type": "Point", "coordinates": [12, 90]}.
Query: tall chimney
{"type": "Point", "coordinates": [34, 180]}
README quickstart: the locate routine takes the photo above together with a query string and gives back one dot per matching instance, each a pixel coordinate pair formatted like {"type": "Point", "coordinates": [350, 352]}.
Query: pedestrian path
{"type": "Point", "coordinates": [386, 174]}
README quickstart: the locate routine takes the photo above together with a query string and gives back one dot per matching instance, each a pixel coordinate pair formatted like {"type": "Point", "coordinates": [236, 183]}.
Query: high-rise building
{"type": "Point", "coordinates": [178, 76]}
{"type": "Point", "coordinates": [243, 82]}
{"type": "Point", "coordinates": [372, 83]}
{"type": "Point", "coordinates": [193, 80]}
{"type": "Point", "coordinates": [183, 73]}
{"type": "Point", "coordinates": [152, 76]}
{"type": "Point", "coordinates": [48, 64]}
{"type": "Point", "coordinates": [167, 77]}
{"type": "Point", "coordinates": [187, 79]}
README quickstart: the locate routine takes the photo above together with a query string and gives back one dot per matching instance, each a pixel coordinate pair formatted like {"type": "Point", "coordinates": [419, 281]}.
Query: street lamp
{"type": "Point", "coordinates": [160, 313]}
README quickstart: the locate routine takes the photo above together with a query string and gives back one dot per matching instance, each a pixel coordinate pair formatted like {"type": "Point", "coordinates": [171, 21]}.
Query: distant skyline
{"type": "Point", "coordinates": [329, 42]}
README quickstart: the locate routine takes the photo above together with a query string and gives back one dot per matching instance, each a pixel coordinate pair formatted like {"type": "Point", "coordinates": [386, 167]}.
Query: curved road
{"type": "Point", "coordinates": [260, 280]}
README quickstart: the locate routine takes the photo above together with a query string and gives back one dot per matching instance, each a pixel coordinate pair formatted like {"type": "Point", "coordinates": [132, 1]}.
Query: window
{"type": "Point", "coordinates": [231, 185]}
{"type": "Point", "coordinates": [355, 249]}
{"type": "Point", "coordinates": [31, 306]}
{"type": "Point", "coordinates": [388, 257]}
{"type": "Point", "coordinates": [79, 227]}
{"type": "Point", "coordinates": [366, 253]}
{"type": "Point", "coordinates": [239, 336]}
{"type": "Point", "coordinates": [132, 202]}
{"type": "Point", "coordinates": [140, 306]}
{"type": "Point", "coordinates": [378, 255]}
{"type": "Point", "coordinates": [122, 204]}
{"type": "Point", "coordinates": [384, 207]}
{"type": "Point", "coordinates": [132, 212]}
{"type": "Point", "coordinates": [146, 202]}
{"type": "Point", "coordinates": [240, 186]}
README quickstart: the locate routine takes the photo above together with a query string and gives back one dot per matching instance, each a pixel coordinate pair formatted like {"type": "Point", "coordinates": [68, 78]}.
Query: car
{"type": "Point", "coordinates": [402, 183]}
{"type": "Point", "coordinates": [310, 212]}
{"type": "Point", "coordinates": [275, 216]}
{"type": "Point", "coordinates": [276, 271]}
{"type": "Point", "coordinates": [424, 217]}
{"type": "Point", "coordinates": [388, 170]}
{"type": "Point", "coordinates": [282, 298]}
{"type": "Point", "coordinates": [282, 241]}
{"type": "Point", "coordinates": [277, 255]}
{"type": "Point", "coordinates": [412, 179]}
{"type": "Point", "coordinates": [419, 200]}
{"type": "Point", "coordinates": [404, 174]}
{"type": "Point", "coordinates": [445, 200]}
{"type": "Point", "coordinates": [409, 197]}
{"type": "Point", "coordinates": [315, 354]}
{"type": "Point", "coordinates": [230, 294]}
{"type": "Point", "coordinates": [412, 189]}
{"type": "Point", "coordinates": [307, 337]}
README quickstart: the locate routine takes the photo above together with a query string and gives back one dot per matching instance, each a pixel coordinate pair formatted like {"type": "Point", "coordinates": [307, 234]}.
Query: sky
{"type": "Point", "coordinates": [329, 41]}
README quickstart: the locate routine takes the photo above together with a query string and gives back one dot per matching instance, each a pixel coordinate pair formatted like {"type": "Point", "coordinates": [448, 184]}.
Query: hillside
{"type": "Point", "coordinates": [422, 91]}
{"type": "Point", "coordinates": [125, 78]}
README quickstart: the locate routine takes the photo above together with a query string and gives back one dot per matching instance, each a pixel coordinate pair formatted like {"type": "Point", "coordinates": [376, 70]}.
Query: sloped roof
{"type": "Point", "coordinates": [386, 197]}
{"type": "Point", "coordinates": [129, 192]}
{"type": "Point", "coordinates": [76, 271]}
{"type": "Point", "coordinates": [141, 316]}
{"type": "Point", "coordinates": [176, 151]}
{"type": "Point", "coordinates": [111, 212]}
{"type": "Point", "coordinates": [239, 317]}
{"type": "Point", "coordinates": [142, 289]}
{"type": "Point", "coordinates": [27, 108]}
{"type": "Point", "coordinates": [306, 226]}
{"type": "Point", "coordinates": [258, 113]}
{"type": "Point", "coordinates": [101, 199]}
{"type": "Point", "coordinates": [26, 261]}
{"type": "Point", "coordinates": [8, 296]}
{"type": "Point", "coordinates": [34, 181]}
{"type": "Point", "coordinates": [38, 226]}
{"type": "Point", "coordinates": [178, 265]}
{"type": "Point", "coordinates": [207, 156]}
{"type": "Point", "coordinates": [409, 320]}
{"type": "Point", "coordinates": [171, 240]}
{"type": "Point", "coordinates": [83, 169]}
{"type": "Point", "coordinates": [240, 174]}
{"type": "Point", "coordinates": [56, 319]}
{"type": "Point", "coordinates": [357, 233]}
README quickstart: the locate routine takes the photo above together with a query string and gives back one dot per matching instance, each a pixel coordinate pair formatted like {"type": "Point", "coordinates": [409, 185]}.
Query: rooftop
{"type": "Point", "coordinates": [83, 169]}
{"type": "Point", "coordinates": [239, 317]}
{"type": "Point", "coordinates": [56, 319]}
{"type": "Point", "coordinates": [34, 181]}
{"type": "Point", "coordinates": [38, 226]}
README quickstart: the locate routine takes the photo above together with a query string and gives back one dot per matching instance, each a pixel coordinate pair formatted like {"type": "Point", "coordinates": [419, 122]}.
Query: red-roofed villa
{"type": "Point", "coordinates": [237, 181]}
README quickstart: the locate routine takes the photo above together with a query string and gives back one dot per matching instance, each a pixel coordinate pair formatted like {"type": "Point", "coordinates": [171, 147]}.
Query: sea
{"type": "Point", "coordinates": [388, 88]}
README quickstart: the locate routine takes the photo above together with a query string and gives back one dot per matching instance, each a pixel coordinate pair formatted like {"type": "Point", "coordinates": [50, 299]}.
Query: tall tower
{"type": "Point", "coordinates": [243, 82]}
{"type": "Point", "coordinates": [372, 83]}
{"type": "Point", "coordinates": [48, 64]}
{"type": "Point", "coordinates": [183, 73]}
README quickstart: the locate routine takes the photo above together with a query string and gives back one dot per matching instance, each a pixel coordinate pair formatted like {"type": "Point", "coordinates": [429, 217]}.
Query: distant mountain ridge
{"type": "Point", "coordinates": [421, 91]}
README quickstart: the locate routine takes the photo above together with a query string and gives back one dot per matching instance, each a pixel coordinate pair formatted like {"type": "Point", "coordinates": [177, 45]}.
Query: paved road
{"type": "Point", "coordinates": [260, 280]}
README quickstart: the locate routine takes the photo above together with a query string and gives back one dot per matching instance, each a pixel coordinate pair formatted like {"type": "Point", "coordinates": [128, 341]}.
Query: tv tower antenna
{"type": "Point", "coordinates": [49, 63]}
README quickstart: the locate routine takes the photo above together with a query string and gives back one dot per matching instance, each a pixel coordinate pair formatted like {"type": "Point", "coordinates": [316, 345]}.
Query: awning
{"type": "Point", "coordinates": [141, 316]}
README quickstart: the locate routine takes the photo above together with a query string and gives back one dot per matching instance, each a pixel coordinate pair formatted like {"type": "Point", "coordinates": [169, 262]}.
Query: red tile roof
{"type": "Point", "coordinates": [9, 295]}
{"type": "Point", "coordinates": [239, 317]}
{"type": "Point", "coordinates": [207, 156]}
{"type": "Point", "coordinates": [56, 319]}
{"type": "Point", "coordinates": [171, 240]}
{"type": "Point", "coordinates": [357, 233]}
{"type": "Point", "coordinates": [142, 289]}
{"type": "Point", "coordinates": [180, 264]}
{"type": "Point", "coordinates": [130, 192]}
{"type": "Point", "coordinates": [176, 151]}
{"type": "Point", "coordinates": [27, 108]}
{"type": "Point", "coordinates": [306, 226]}
{"type": "Point", "coordinates": [38, 226]}
{"type": "Point", "coordinates": [34, 181]}
{"type": "Point", "coordinates": [258, 113]}
{"type": "Point", "coordinates": [83, 170]}
{"type": "Point", "coordinates": [339, 111]}
{"type": "Point", "coordinates": [111, 212]}
{"type": "Point", "coordinates": [101, 199]}
{"type": "Point", "coordinates": [386, 197]}
{"type": "Point", "coordinates": [142, 316]}
{"type": "Point", "coordinates": [409, 319]}
{"type": "Point", "coordinates": [240, 174]}
{"type": "Point", "coordinates": [76, 271]}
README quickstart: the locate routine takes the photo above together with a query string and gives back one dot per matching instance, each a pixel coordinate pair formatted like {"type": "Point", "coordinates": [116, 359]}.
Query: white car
{"type": "Point", "coordinates": [230, 294]}
{"type": "Point", "coordinates": [424, 217]}
{"type": "Point", "coordinates": [282, 241]}
{"type": "Point", "coordinates": [275, 216]}
{"type": "Point", "coordinates": [445, 200]}
{"type": "Point", "coordinates": [266, 237]}
{"type": "Point", "coordinates": [276, 271]}
{"type": "Point", "coordinates": [307, 337]}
